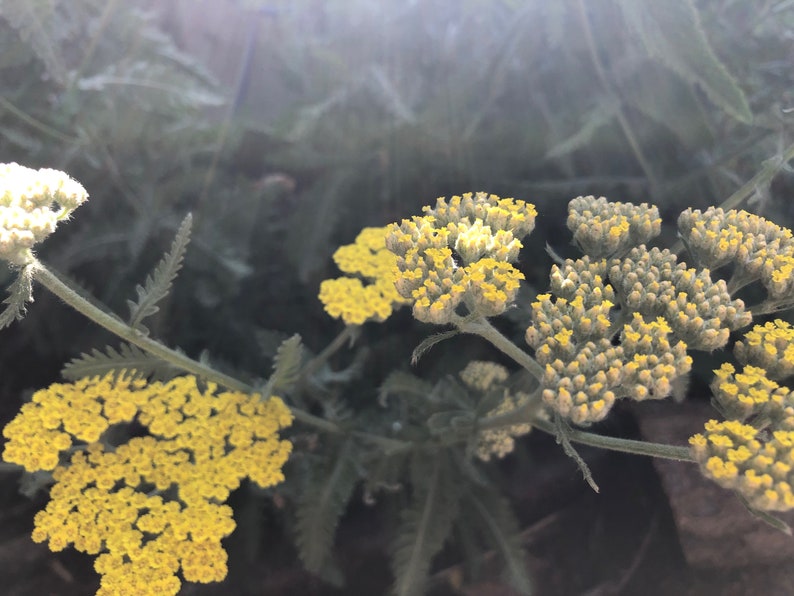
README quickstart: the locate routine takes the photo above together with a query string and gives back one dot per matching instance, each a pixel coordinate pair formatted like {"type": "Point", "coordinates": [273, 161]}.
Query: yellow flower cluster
{"type": "Point", "coordinates": [737, 456]}
{"type": "Point", "coordinates": [499, 442]}
{"type": "Point", "coordinates": [582, 367]}
{"type": "Point", "coordinates": [585, 373]}
{"type": "Point", "coordinates": [583, 278]}
{"type": "Point", "coordinates": [760, 249]}
{"type": "Point", "coordinates": [349, 298]}
{"type": "Point", "coordinates": [32, 202]}
{"type": "Point", "coordinates": [483, 377]}
{"type": "Point", "coordinates": [750, 394]}
{"type": "Point", "coordinates": [105, 501]}
{"type": "Point", "coordinates": [651, 363]}
{"type": "Point", "coordinates": [769, 346]}
{"type": "Point", "coordinates": [602, 228]}
{"type": "Point", "coordinates": [460, 252]}
{"type": "Point", "coordinates": [699, 310]}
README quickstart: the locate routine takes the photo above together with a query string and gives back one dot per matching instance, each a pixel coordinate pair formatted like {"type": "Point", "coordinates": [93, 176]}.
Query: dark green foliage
{"type": "Point", "coordinates": [325, 490]}
{"type": "Point", "coordinates": [425, 524]}
{"type": "Point", "coordinates": [126, 357]}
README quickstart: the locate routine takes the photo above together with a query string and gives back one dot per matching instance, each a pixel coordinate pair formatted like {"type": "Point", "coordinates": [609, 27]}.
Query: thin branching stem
{"type": "Point", "coordinates": [121, 329]}
{"type": "Point", "coordinates": [484, 329]}
{"type": "Point", "coordinates": [659, 450]}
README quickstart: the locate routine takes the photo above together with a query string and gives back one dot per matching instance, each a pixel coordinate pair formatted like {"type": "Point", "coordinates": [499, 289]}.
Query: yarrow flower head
{"type": "Point", "coordinates": [461, 251]}
{"type": "Point", "coordinates": [700, 311]}
{"type": "Point", "coordinates": [111, 501]}
{"type": "Point", "coordinates": [758, 248]}
{"type": "Point", "coordinates": [32, 202]}
{"type": "Point", "coordinates": [769, 346]}
{"type": "Point", "coordinates": [371, 294]}
{"type": "Point", "coordinates": [604, 228]}
{"type": "Point", "coordinates": [738, 456]}
{"type": "Point", "coordinates": [483, 377]}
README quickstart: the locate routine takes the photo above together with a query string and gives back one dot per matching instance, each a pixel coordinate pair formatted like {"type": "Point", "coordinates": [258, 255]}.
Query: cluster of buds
{"type": "Point", "coordinates": [699, 310]}
{"type": "Point", "coordinates": [585, 373]}
{"type": "Point", "coordinates": [32, 202]}
{"type": "Point", "coordinates": [769, 346]}
{"type": "Point", "coordinates": [738, 456]}
{"type": "Point", "coordinates": [483, 377]}
{"type": "Point", "coordinates": [356, 301]}
{"type": "Point", "coordinates": [602, 228]}
{"type": "Point", "coordinates": [759, 249]}
{"type": "Point", "coordinates": [753, 451]}
{"type": "Point", "coordinates": [461, 251]}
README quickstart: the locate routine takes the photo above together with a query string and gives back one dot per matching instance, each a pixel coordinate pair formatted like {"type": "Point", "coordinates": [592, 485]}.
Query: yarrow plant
{"type": "Point", "coordinates": [141, 460]}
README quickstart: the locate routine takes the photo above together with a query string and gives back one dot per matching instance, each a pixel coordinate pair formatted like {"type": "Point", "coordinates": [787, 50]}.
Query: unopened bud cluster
{"type": "Point", "coordinates": [602, 228]}
{"type": "Point", "coordinates": [461, 251]}
{"type": "Point", "coordinates": [758, 248]}
{"type": "Point", "coordinates": [753, 451]}
{"type": "Point", "coordinates": [32, 202]}
{"type": "Point", "coordinates": [699, 310]}
{"type": "Point", "coordinates": [483, 377]}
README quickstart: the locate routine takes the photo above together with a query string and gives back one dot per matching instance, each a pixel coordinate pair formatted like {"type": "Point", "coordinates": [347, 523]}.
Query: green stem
{"type": "Point", "coordinates": [119, 328]}
{"type": "Point", "coordinates": [659, 450]}
{"type": "Point", "coordinates": [491, 334]}
{"type": "Point", "coordinates": [317, 362]}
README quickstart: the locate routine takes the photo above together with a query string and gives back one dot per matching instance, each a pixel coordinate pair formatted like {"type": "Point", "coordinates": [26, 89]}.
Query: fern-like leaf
{"type": "Point", "coordinates": [426, 523]}
{"type": "Point", "coordinates": [159, 283]}
{"type": "Point", "coordinates": [429, 342]}
{"type": "Point", "coordinates": [323, 500]}
{"type": "Point", "coordinates": [286, 366]}
{"type": "Point", "coordinates": [19, 293]}
{"type": "Point", "coordinates": [672, 34]}
{"type": "Point", "coordinates": [601, 115]}
{"type": "Point", "coordinates": [127, 357]}
{"type": "Point", "coordinates": [501, 531]}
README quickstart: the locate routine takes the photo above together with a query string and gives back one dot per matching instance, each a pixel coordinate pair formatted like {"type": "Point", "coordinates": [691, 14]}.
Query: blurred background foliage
{"type": "Point", "coordinates": [287, 126]}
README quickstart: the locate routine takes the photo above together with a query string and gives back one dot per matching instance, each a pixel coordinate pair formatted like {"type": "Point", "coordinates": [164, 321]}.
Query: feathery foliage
{"type": "Point", "coordinates": [127, 358]}
{"type": "Point", "coordinates": [158, 284]}
{"type": "Point", "coordinates": [425, 523]}
{"type": "Point", "coordinates": [20, 292]}
{"type": "Point", "coordinates": [328, 483]}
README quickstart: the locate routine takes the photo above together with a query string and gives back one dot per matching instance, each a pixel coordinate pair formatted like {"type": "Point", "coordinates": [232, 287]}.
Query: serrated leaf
{"type": "Point", "coordinates": [158, 284]}
{"type": "Point", "coordinates": [286, 366]}
{"type": "Point", "coordinates": [20, 292]}
{"type": "Point", "coordinates": [671, 33]}
{"type": "Point", "coordinates": [323, 499]}
{"type": "Point", "coordinates": [429, 342]}
{"type": "Point", "coordinates": [425, 524]}
{"type": "Point", "coordinates": [501, 531]}
{"type": "Point", "coordinates": [128, 357]}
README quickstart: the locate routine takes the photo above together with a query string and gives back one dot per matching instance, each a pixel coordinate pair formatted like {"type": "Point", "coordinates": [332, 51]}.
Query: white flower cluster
{"type": "Point", "coordinates": [32, 202]}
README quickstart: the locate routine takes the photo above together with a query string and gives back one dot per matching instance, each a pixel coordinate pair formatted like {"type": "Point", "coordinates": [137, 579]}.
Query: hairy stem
{"type": "Point", "coordinates": [659, 450]}
{"type": "Point", "coordinates": [491, 334]}
{"type": "Point", "coordinates": [121, 329]}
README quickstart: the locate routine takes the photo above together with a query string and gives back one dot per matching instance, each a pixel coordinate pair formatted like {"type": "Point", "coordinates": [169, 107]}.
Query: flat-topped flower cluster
{"type": "Point", "coordinates": [150, 507]}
